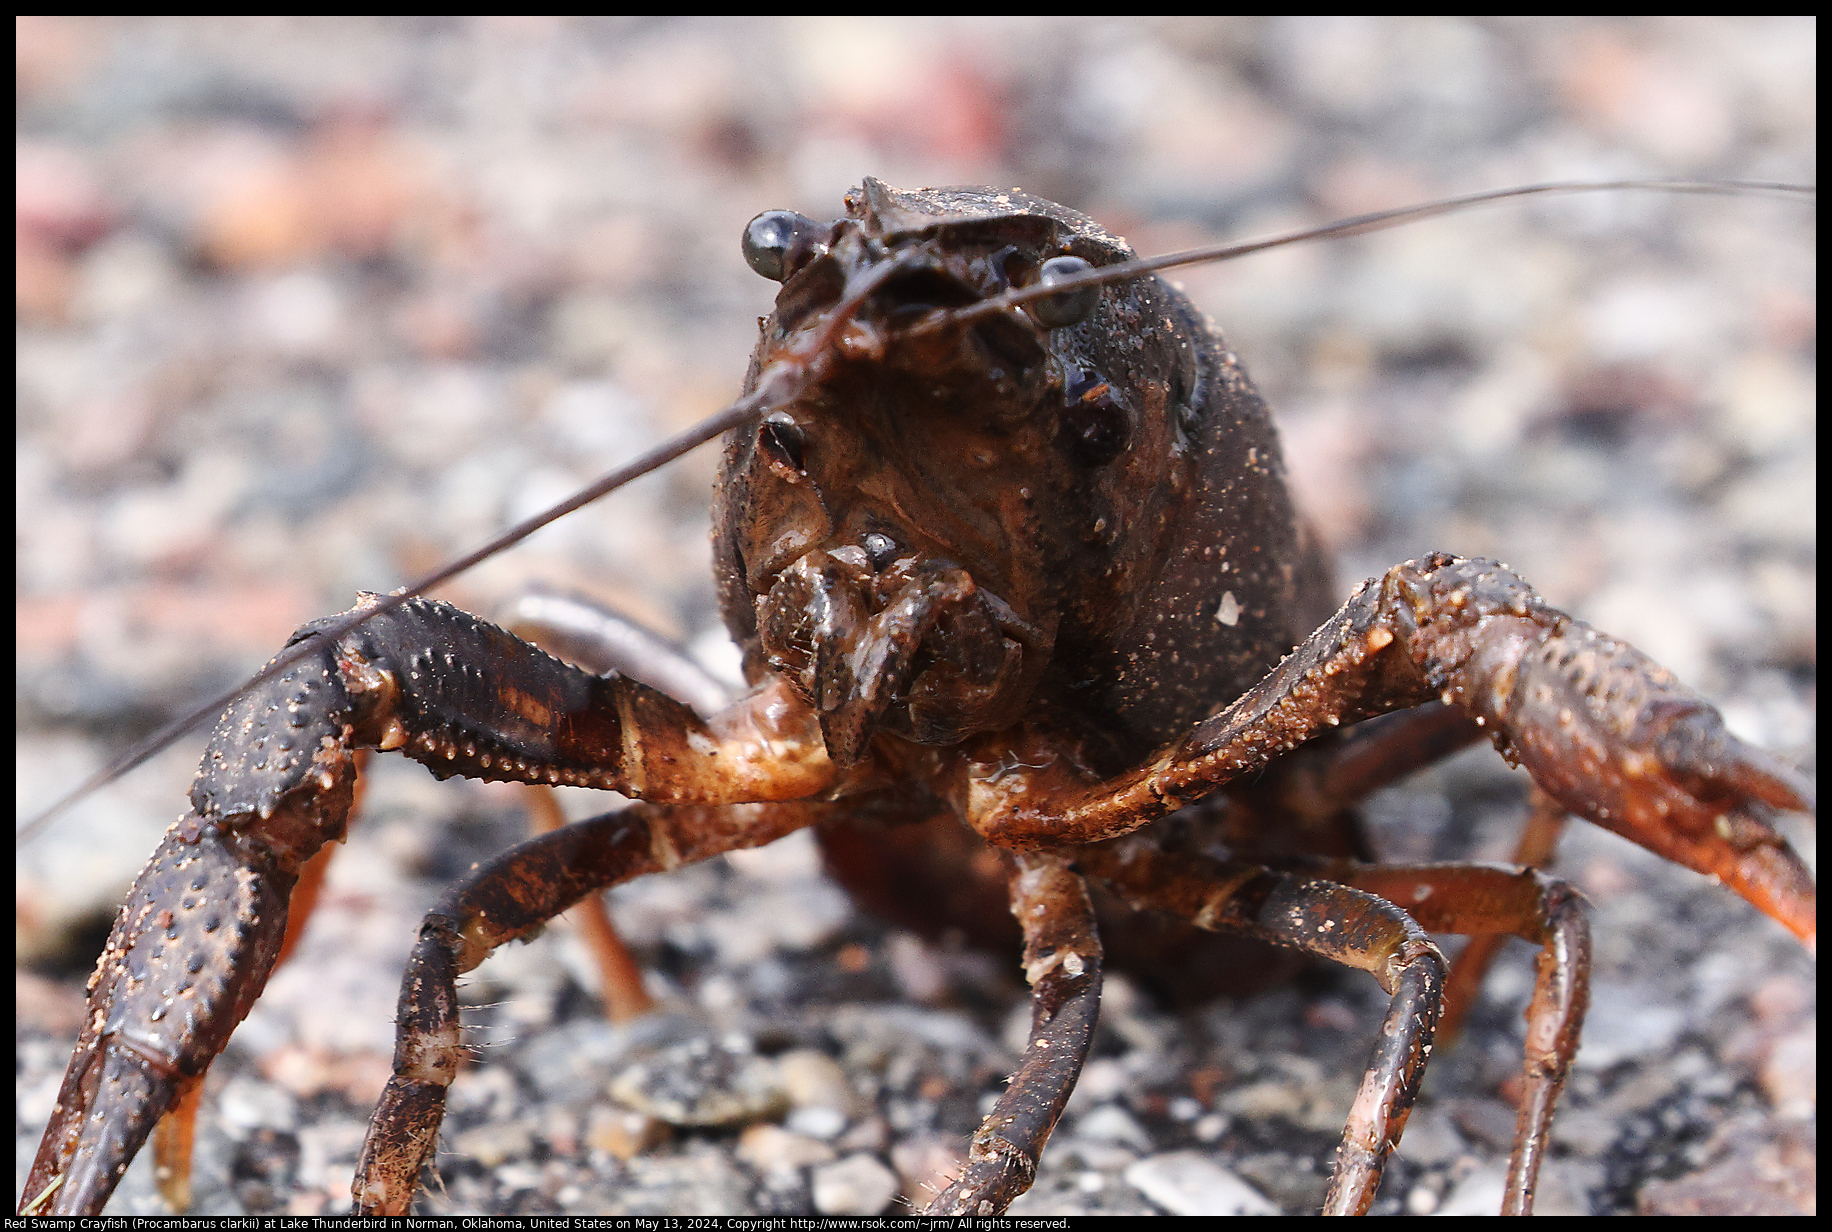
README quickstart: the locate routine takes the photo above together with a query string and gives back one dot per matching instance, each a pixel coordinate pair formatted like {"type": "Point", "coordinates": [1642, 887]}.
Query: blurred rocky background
{"type": "Point", "coordinates": [307, 306]}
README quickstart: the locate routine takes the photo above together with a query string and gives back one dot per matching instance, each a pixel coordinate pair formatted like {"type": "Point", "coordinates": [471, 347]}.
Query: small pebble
{"type": "Point", "coordinates": [856, 1185]}
{"type": "Point", "coordinates": [1188, 1183]}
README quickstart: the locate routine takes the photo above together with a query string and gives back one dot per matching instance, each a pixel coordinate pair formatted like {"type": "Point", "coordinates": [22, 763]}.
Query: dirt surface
{"type": "Point", "coordinates": [307, 306]}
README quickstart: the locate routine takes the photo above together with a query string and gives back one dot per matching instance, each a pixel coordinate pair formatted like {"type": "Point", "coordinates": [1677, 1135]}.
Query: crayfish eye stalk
{"type": "Point", "coordinates": [1070, 307]}
{"type": "Point", "coordinates": [778, 243]}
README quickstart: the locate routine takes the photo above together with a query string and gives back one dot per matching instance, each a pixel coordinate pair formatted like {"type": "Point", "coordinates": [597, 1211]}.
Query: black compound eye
{"type": "Point", "coordinates": [881, 550]}
{"type": "Point", "coordinates": [1095, 427]}
{"type": "Point", "coordinates": [779, 242]}
{"type": "Point", "coordinates": [1070, 307]}
{"type": "Point", "coordinates": [783, 439]}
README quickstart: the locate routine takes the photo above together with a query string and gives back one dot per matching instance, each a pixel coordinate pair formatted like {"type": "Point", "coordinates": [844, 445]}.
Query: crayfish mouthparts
{"type": "Point", "coordinates": [910, 646]}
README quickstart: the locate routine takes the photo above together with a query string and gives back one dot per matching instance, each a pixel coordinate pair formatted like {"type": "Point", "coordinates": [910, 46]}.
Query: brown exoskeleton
{"type": "Point", "coordinates": [1032, 567]}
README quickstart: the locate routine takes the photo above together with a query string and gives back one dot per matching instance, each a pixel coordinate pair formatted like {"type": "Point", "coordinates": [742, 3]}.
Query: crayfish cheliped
{"type": "Point", "coordinates": [1025, 565]}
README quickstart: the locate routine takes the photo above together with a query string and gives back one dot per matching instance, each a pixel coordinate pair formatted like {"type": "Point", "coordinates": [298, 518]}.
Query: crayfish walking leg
{"type": "Point", "coordinates": [1062, 961]}
{"type": "Point", "coordinates": [510, 898]}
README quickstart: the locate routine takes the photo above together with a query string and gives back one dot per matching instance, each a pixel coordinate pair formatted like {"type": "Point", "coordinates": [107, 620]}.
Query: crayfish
{"type": "Point", "coordinates": [1005, 537]}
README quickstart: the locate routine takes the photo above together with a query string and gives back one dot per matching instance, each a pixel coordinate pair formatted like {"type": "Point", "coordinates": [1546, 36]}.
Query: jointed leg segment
{"type": "Point", "coordinates": [1062, 961]}
{"type": "Point", "coordinates": [620, 978]}
{"type": "Point", "coordinates": [510, 898]}
{"type": "Point", "coordinates": [1486, 900]}
{"type": "Point", "coordinates": [1332, 921]}
{"type": "Point", "coordinates": [1535, 848]}
{"type": "Point", "coordinates": [1374, 918]}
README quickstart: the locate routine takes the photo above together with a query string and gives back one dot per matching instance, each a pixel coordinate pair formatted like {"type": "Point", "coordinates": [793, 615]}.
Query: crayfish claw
{"type": "Point", "coordinates": [1711, 764]}
{"type": "Point", "coordinates": [189, 954]}
{"type": "Point", "coordinates": [201, 931]}
{"type": "Point", "coordinates": [1616, 739]}
{"type": "Point", "coordinates": [131, 1096]}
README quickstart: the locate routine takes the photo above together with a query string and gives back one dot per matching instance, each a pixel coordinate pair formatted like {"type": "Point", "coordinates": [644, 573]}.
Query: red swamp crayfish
{"type": "Point", "coordinates": [1004, 533]}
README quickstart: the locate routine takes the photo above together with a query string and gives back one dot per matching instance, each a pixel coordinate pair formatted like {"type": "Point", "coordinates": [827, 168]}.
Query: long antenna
{"type": "Point", "coordinates": [788, 377]}
{"type": "Point", "coordinates": [779, 383]}
{"type": "Point", "coordinates": [1361, 224]}
{"type": "Point", "coordinates": [733, 415]}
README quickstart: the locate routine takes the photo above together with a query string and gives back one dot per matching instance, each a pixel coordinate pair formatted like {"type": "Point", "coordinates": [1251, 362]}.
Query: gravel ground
{"type": "Point", "coordinates": [307, 306]}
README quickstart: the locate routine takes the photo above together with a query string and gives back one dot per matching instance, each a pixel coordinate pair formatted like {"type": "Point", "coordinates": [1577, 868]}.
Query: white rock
{"type": "Point", "coordinates": [1190, 1183]}
{"type": "Point", "coordinates": [1111, 1123]}
{"type": "Point", "coordinates": [1479, 1193]}
{"type": "Point", "coordinates": [856, 1185]}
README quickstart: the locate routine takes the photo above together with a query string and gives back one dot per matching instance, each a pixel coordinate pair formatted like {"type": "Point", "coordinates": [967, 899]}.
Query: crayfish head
{"type": "Point", "coordinates": [957, 478]}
